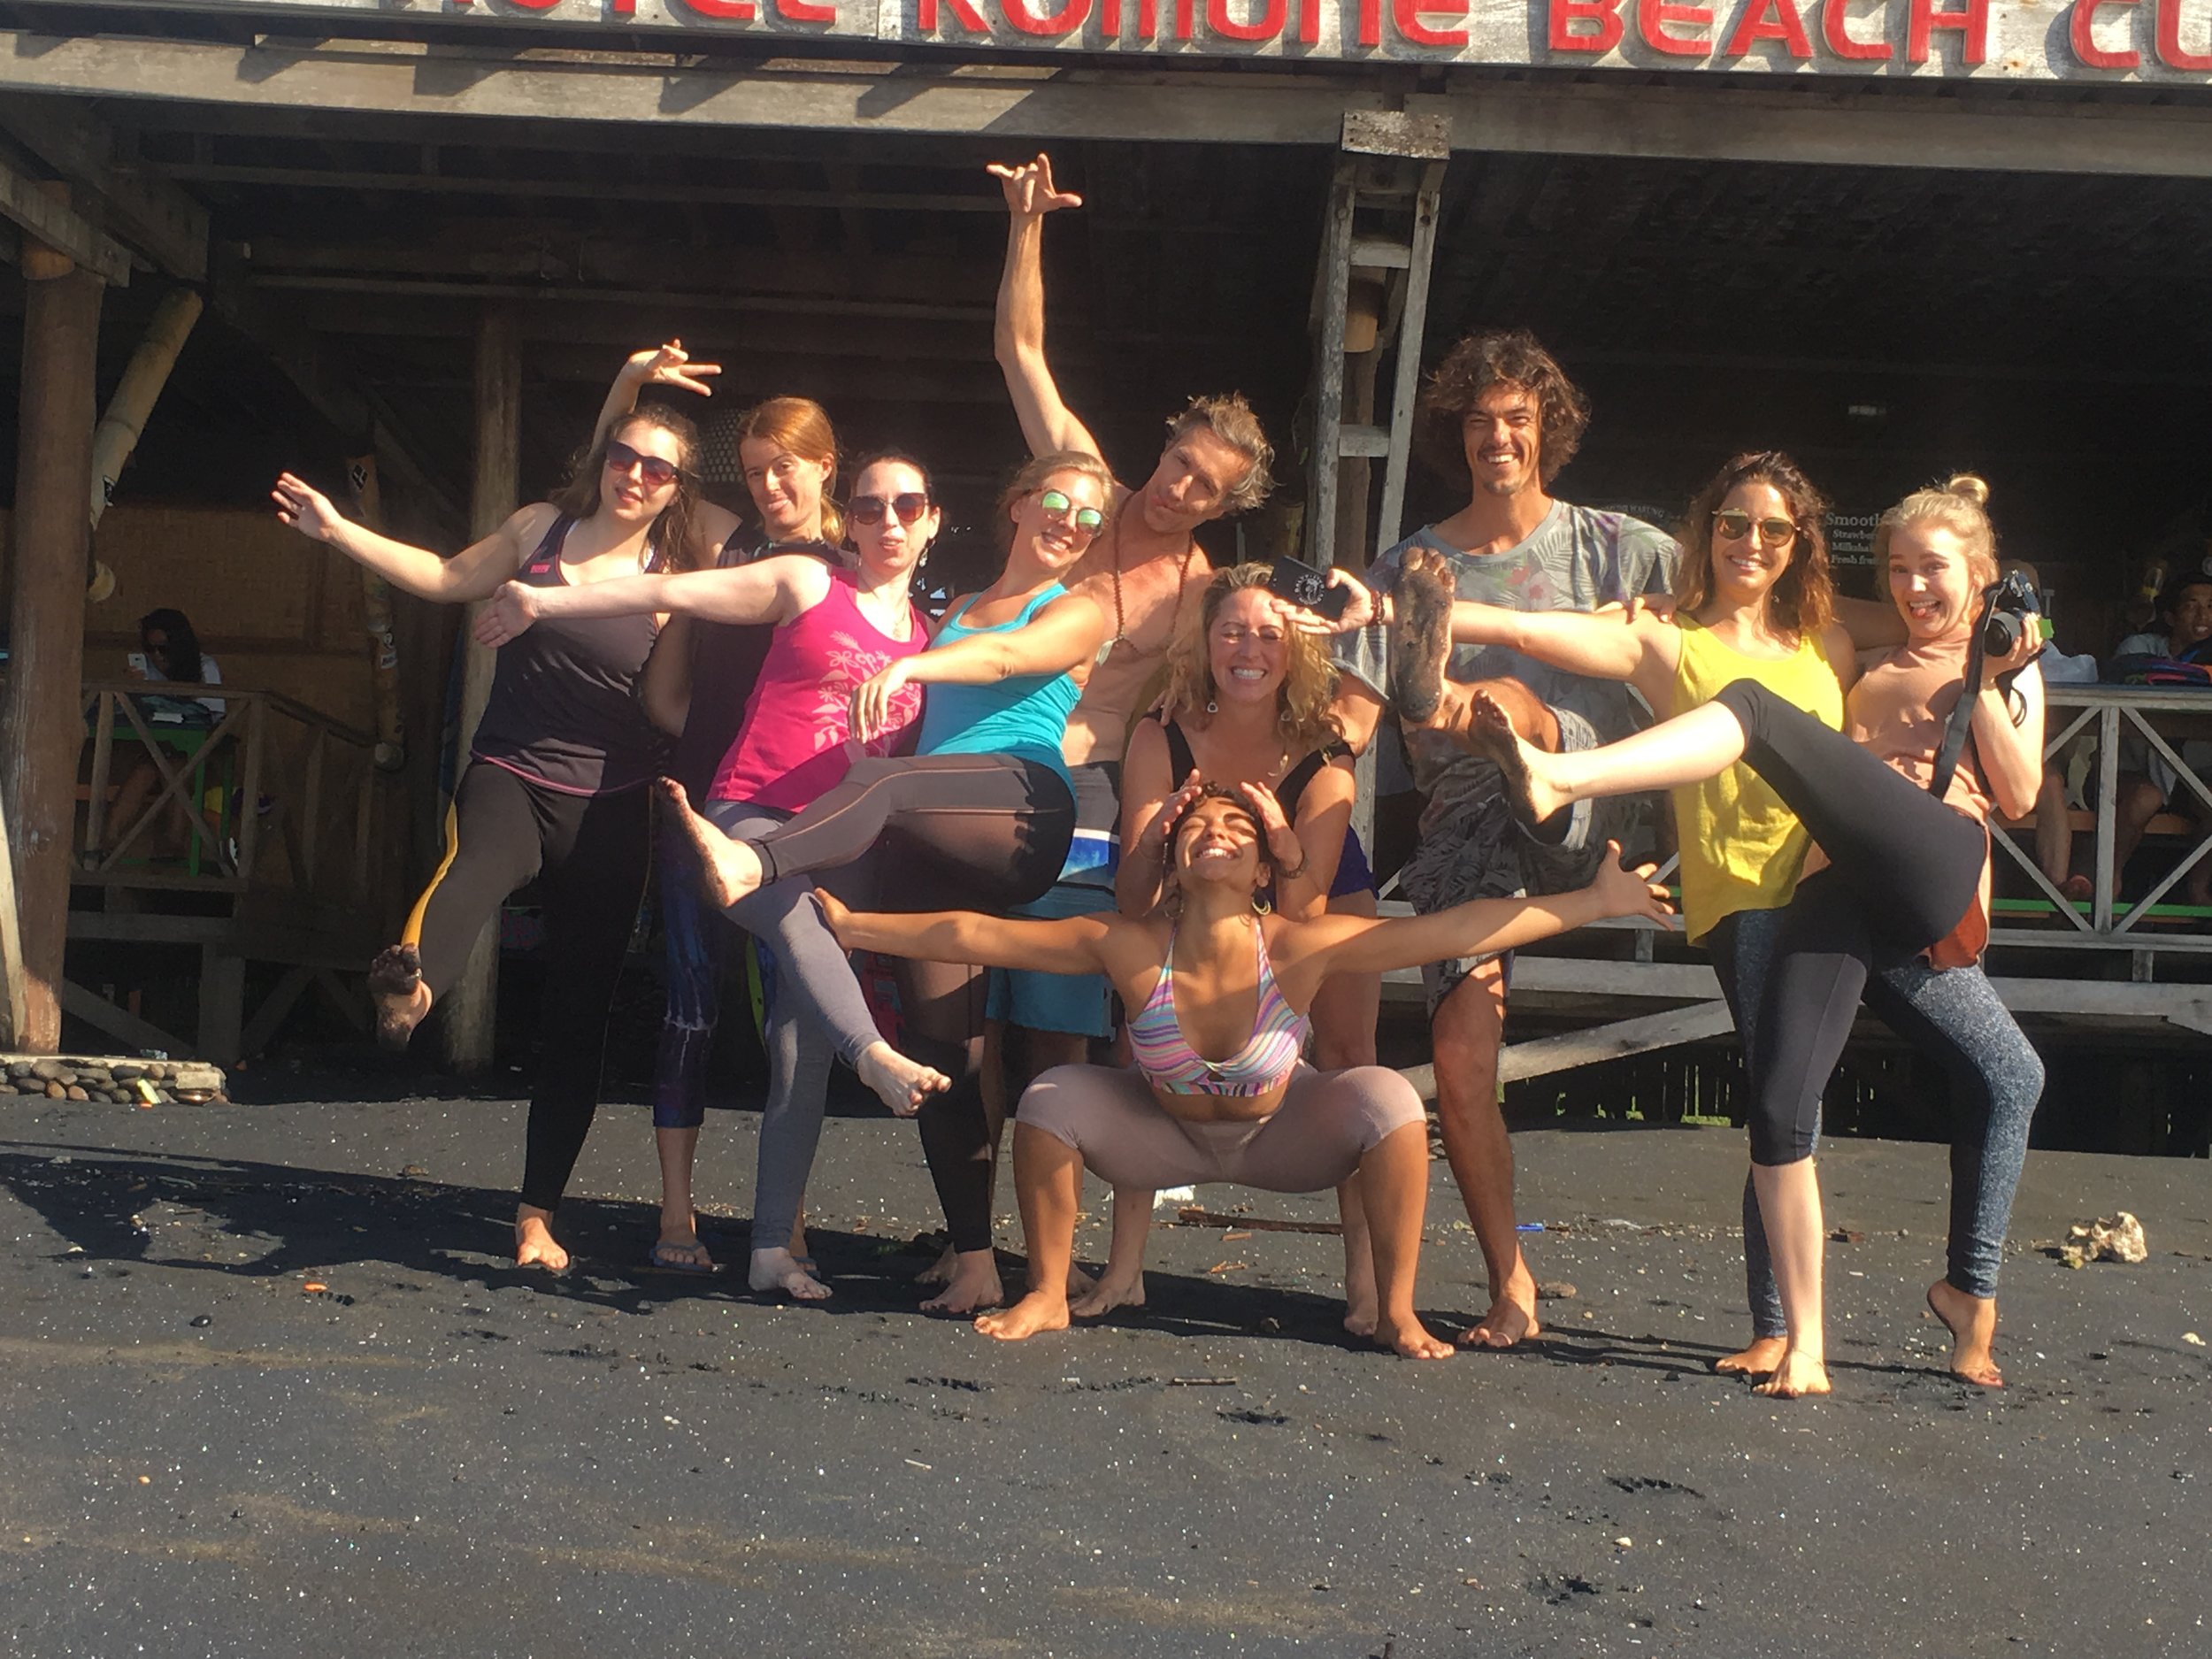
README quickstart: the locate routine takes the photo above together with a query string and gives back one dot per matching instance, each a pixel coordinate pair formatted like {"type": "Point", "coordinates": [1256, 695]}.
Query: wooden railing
{"type": "Point", "coordinates": [266, 763]}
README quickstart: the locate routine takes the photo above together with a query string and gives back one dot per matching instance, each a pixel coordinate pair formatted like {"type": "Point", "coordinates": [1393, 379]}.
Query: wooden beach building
{"type": "Point", "coordinates": [401, 245]}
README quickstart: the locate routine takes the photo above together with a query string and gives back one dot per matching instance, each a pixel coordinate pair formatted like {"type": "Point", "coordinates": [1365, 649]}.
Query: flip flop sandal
{"type": "Point", "coordinates": [665, 1257]}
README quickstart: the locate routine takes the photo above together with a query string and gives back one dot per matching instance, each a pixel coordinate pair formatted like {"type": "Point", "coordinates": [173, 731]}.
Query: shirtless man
{"type": "Point", "coordinates": [1501, 418]}
{"type": "Point", "coordinates": [1142, 571]}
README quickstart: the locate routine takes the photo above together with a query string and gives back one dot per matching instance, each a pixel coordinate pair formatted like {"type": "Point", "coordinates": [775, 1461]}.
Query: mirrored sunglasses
{"type": "Point", "coordinates": [1057, 505]}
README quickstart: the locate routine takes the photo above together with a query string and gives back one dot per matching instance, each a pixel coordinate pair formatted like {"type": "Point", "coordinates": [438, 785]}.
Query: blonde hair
{"type": "Point", "coordinates": [1034, 476]}
{"type": "Point", "coordinates": [1302, 702]}
{"type": "Point", "coordinates": [1230, 418]}
{"type": "Point", "coordinates": [1958, 505]}
{"type": "Point", "coordinates": [802, 426]}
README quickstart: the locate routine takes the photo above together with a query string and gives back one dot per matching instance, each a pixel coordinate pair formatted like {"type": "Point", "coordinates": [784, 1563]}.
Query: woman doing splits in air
{"type": "Point", "coordinates": [555, 790]}
{"type": "Point", "coordinates": [830, 629]}
{"type": "Point", "coordinates": [1212, 973]}
{"type": "Point", "coordinates": [982, 814]}
{"type": "Point", "coordinates": [1894, 874]}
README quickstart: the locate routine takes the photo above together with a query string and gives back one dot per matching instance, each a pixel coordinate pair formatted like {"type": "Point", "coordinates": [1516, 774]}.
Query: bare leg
{"type": "Point", "coordinates": [1688, 748]}
{"type": "Point", "coordinates": [680, 1242]}
{"type": "Point", "coordinates": [2138, 803]}
{"type": "Point", "coordinates": [1466, 1032]}
{"type": "Point", "coordinates": [1972, 1322]}
{"type": "Point", "coordinates": [1049, 1177]}
{"type": "Point", "coordinates": [1394, 1176]}
{"type": "Point", "coordinates": [728, 870]}
{"type": "Point", "coordinates": [1533, 719]}
{"type": "Point", "coordinates": [1345, 1010]}
{"type": "Point", "coordinates": [1122, 1284]}
{"type": "Point", "coordinates": [1361, 1305]}
{"type": "Point", "coordinates": [535, 1243]}
{"type": "Point", "coordinates": [2054, 836]}
{"type": "Point", "coordinates": [1789, 1203]}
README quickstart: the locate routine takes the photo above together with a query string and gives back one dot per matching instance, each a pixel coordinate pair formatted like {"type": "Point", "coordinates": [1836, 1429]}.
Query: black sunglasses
{"type": "Point", "coordinates": [870, 509]}
{"type": "Point", "coordinates": [655, 471]}
{"type": "Point", "coordinates": [1736, 524]}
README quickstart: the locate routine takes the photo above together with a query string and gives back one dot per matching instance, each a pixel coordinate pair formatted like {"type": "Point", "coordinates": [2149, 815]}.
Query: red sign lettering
{"type": "Point", "coordinates": [1068, 18]}
{"type": "Point", "coordinates": [1769, 20]}
{"type": "Point", "coordinates": [1973, 23]}
{"type": "Point", "coordinates": [1408, 15]}
{"type": "Point", "coordinates": [1652, 18]}
{"type": "Point", "coordinates": [2082, 18]}
{"type": "Point", "coordinates": [1266, 26]}
{"type": "Point", "coordinates": [805, 11]}
{"type": "Point", "coordinates": [1309, 22]}
{"type": "Point", "coordinates": [1833, 15]}
{"type": "Point", "coordinates": [745, 11]}
{"type": "Point", "coordinates": [1605, 13]}
{"type": "Point", "coordinates": [964, 15]}
{"type": "Point", "coordinates": [2170, 52]}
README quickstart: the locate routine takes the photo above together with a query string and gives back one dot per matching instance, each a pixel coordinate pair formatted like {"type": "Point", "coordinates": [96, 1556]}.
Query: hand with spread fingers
{"type": "Point", "coordinates": [507, 615]}
{"type": "Point", "coordinates": [871, 711]}
{"type": "Point", "coordinates": [1623, 892]}
{"type": "Point", "coordinates": [1030, 192]}
{"type": "Point", "coordinates": [306, 509]}
{"type": "Point", "coordinates": [670, 365]}
{"type": "Point", "coordinates": [1285, 851]}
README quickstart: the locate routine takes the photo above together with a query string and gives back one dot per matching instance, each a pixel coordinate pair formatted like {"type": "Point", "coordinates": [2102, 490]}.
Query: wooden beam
{"type": "Point", "coordinates": [144, 209]}
{"type": "Point", "coordinates": [14, 983]}
{"type": "Point", "coordinates": [47, 213]}
{"type": "Point", "coordinates": [41, 721]}
{"type": "Point", "coordinates": [472, 1002]}
{"type": "Point", "coordinates": [1881, 125]}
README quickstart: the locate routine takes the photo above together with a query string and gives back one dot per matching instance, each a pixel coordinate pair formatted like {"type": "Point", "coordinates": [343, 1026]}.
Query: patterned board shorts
{"type": "Point", "coordinates": [1473, 847]}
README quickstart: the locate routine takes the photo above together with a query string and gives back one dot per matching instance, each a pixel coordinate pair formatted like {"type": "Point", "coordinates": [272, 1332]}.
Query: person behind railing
{"type": "Point", "coordinates": [1893, 903]}
{"type": "Point", "coordinates": [555, 790]}
{"type": "Point", "coordinates": [2148, 784]}
{"type": "Point", "coordinates": [168, 654]}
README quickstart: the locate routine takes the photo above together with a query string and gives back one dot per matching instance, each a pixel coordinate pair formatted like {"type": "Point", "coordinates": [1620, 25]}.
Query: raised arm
{"type": "Point", "coordinates": [1151, 801]}
{"type": "Point", "coordinates": [1310, 952]}
{"type": "Point", "coordinates": [1606, 645]}
{"type": "Point", "coordinates": [1019, 333]}
{"type": "Point", "coordinates": [1075, 944]}
{"type": "Point", "coordinates": [2010, 749]}
{"type": "Point", "coordinates": [473, 572]}
{"type": "Point", "coordinates": [657, 365]}
{"type": "Point", "coordinates": [1324, 812]}
{"type": "Point", "coordinates": [770, 590]}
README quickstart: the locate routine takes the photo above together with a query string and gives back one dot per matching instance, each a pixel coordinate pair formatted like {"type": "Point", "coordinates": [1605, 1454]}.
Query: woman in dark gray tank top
{"type": "Point", "coordinates": [554, 789]}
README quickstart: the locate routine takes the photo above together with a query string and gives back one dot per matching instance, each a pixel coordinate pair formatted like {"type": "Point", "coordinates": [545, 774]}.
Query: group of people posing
{"type": "Point", "coordinates": [1102, 806]}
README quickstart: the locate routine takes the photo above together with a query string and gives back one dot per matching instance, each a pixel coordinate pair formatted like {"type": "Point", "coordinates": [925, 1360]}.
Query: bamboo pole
{"type": "Point", "coordinates": [471, 1003]}
{"type": "Point", "coordinates": [42, 728]}
{"type": "Point", "coordinates": [376, 599]}
{"type": "Point", "coordinates": [140, 389]}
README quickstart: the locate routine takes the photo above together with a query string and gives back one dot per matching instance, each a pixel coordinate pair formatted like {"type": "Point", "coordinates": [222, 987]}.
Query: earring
{"type": "Point", "coordinates": [1260, 904]}
{"type": "Point", "coordinates": [1212, 707]}
{"type": "Point", "coordinates": [1282, 717]}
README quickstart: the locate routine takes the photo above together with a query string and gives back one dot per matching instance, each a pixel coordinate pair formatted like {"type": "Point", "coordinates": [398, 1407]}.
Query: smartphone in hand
{"type": "Point", "coordinates": [1300, 584]}
{"type": "Point", "coordinates": [137, 662]}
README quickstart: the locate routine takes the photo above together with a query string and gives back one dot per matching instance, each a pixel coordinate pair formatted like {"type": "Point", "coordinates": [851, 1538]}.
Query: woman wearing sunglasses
{"type": "Point", "coordinates": [1219, 990]}
{"type": "Point", "coordinates": [1885, 896]}
{"type": "Point", "coordinates": [555, 790]}
{"type": "Point", "coordinates": [828, 630]}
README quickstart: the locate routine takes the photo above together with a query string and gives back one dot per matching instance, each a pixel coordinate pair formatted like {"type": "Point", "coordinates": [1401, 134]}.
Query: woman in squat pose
{"type": "Point", "coordinates": [1247, 705]}
{"type": "Point", "coordinates": [829, 630]}
{"type": "Point", "coordinates": [982, 813]}
{"type": "Point", "coordinates": [1894, 874]}
{"type": "Point", "coordinates": [554, 789]}
{"type": "Point", "coordinates": [1212, 973]}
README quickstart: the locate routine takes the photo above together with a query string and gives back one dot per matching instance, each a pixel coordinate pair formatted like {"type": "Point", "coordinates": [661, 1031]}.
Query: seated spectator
{"type": "Point", "coordinates": [2149, 785]}
{"type": "Point", "coordinates": [169, 653]}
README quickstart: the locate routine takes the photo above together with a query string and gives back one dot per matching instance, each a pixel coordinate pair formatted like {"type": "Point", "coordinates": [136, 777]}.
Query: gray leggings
{"type": "Point", "coordinates": [1996, 1080]}
{"type": "Point", "coordinates": [816, 1015]}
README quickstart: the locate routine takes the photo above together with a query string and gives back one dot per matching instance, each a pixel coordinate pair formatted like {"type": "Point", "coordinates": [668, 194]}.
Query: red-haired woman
{"type": "Point", "coordinates": [555, 787]}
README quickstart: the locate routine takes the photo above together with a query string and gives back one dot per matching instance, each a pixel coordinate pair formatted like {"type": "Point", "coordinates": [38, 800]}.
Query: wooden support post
{"type": "Point", "coordinates": [222, 1005]}
{"type": "Point", "coordinates": [376, 598]}
{"type": "Point", "coordinates": [471, 1003]}
{"type": "Point", "coordinates": [41, 725]}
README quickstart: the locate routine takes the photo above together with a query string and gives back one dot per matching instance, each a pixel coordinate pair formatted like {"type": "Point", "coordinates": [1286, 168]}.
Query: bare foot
{"type": "Point", "coordinates": [1108, 1295]}
{"type": "Point", "coordinates": [899, 1083]}
{"type": "Point", "coordinates": [1039, 1310]}
{"type": "Point", "coordinates": [1361, 1314]}
{"type": "Point", "coordinates": [401, 999]}
{"type": "Point", "coordinates": [1972, 1322]}
{"type": "Point", "coordinates": [779, 1270]}
{"type": "Point", "coordinates": [728, 870]}
{"type": "Point", "coordinates": [974, 1285]}
{"type": "Point", "coordinates": [939, 1272]}
{"type": "Point", "coordinates": [1490, 734]}
{"type": "Point", "coordinates": [1797, 1373]}
{"type": "Point", "coordinates": [535, 1243]}
{"type": "Point", "coordinates": [1080, 1284]}
{"type": "Point", "coordinates": [1406, 1336]}
{"type": "Point", "coordinates": [1420, 633]}
{"type": "Point", "coordinates": [1512, 1316]}
{"type": "Point", "coordinates": [1758, 1359]}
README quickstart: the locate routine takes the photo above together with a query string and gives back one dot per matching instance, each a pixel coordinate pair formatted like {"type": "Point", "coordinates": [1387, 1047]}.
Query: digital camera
{"type": "Point", "coordinates": [2009, 611]}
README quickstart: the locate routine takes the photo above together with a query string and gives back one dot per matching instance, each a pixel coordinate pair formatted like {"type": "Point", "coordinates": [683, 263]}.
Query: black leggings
{"type": "Point", "coordinates": [935, 833]}
{"type": "Point", "coordinates": [1903, 868]}
{"type": "Point", "coordinates": [589, 855]}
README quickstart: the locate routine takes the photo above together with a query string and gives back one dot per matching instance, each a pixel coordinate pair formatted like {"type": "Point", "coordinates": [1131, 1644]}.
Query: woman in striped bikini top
{"type": "Point", "coordinates": [1173, 1065]}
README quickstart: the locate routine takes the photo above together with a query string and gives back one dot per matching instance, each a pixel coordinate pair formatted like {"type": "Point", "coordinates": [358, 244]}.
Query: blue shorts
{"type": "Point", "coordinates": [1080, 1004]}
{"type": "Point", "coordinates": [1353, 874]}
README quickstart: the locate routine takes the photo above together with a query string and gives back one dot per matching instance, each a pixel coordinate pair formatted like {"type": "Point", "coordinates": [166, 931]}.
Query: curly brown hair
{"type": "Point", "coordinates": [1309, 688]}
{"type": "Point", "coordinates": [668, 540]}
{"type": "Point", "coordinates": [1230, 418]}
{"type": "Point", "coordinates": [1493, 357]}
{"type": "Point", "coordinates": [1802, 600]}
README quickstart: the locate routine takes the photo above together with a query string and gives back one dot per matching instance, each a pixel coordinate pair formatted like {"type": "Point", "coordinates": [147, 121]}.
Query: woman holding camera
{"type": "Point", "coordinates": [1894, 902]}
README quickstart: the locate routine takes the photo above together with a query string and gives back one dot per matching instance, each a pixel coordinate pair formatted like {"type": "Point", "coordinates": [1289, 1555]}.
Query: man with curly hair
{"type": "Point", "coordinates": [1145, 571]}
{"type": "Point", "coordinates": [1501, 417]}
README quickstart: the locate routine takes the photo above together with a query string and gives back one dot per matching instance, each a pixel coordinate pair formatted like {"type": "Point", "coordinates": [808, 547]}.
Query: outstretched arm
{"type": "Point", "coordinates": [771, 590]}
{"type": "Point", "coordinates": [1073, 945]}
{"type": "Point", "coordinates": [1354, 944]}
{"type": "Point", "coordinates": [1609, 645]}
{"type": "Point", "coordinates": [1874, 625]}
{"type": "Point", "coordinates": [1065, 634]}
{"type": "Point", "coordinates": [1019, 333]}
{"type": "Point", "coordinates": [471, 573]}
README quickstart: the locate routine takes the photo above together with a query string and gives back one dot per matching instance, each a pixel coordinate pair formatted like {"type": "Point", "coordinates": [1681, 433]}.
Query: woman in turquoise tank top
{"type": "Point", "coordinates": [980, 817]}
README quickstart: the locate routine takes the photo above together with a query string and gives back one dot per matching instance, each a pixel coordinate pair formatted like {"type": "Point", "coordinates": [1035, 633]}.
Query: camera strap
{"type": "Point", "coordinates": [1960, 724]}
